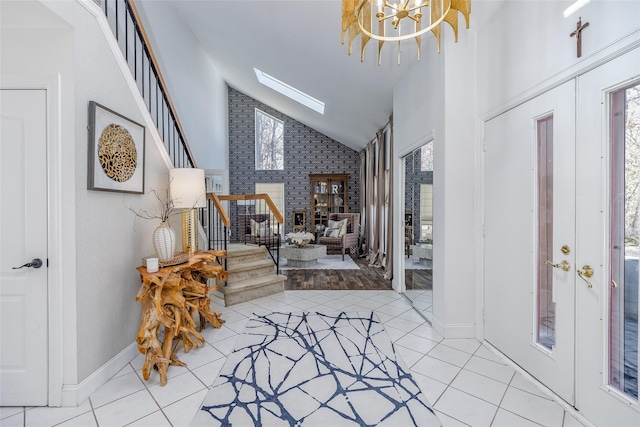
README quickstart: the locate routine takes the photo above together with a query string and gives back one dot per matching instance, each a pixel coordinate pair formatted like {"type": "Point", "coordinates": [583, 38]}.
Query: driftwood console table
{"type": "Point", "coordinates": [170, 298]}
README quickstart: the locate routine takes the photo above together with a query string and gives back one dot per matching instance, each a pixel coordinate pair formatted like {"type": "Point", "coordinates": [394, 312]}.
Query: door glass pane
{"type": "Point", "coordinates": [625, 233]}
{"type": "Point", "coordinates": [546, 313]}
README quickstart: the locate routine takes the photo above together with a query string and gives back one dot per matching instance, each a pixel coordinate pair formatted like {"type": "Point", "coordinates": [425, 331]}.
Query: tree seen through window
{"type": "Point", "coordinates": [426, 157]}
{"type": "Point", "coordinates": [269, 142]}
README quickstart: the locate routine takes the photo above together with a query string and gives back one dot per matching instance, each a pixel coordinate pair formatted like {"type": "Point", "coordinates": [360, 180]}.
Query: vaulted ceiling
{"type": "Point", "coordinates": [299, 42]}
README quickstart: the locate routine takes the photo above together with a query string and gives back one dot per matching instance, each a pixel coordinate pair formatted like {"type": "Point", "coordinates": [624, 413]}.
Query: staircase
{"type": "Point", "coordinates": [251, 275]}
{"type": "Point", "coordinates": [251, 268]}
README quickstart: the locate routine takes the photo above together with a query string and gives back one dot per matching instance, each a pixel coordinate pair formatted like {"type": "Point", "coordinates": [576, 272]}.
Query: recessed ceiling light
{"type": "Point", "coordinates": [290, 91]}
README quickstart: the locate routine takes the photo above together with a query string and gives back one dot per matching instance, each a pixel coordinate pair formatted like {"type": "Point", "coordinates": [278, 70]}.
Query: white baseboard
{"type": "Point", "coordinates": [455, 330]}
{"type": "Point", "coordinates": [75, 394]}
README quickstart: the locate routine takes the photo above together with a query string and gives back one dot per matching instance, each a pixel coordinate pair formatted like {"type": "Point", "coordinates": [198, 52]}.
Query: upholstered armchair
{"type": "Point", "coordinates": [349, 239]}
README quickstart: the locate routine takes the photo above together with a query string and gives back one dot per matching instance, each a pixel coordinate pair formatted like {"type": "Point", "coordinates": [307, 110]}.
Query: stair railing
{"type": "Point", "coordinates": [216, 223]}
{"type": "Point", "coordinates": [255, 220]}
{"type": "Point", "coordinates": [125, 23]}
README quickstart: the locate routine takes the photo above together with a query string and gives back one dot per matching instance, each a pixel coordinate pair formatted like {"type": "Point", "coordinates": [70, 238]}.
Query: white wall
{"type": "Point", "coordinates": [418, 114]}
{"type": "Point", "coordinates": [108, 241]}
{"type": "Point", "coordinates": [513, 50]}
{"type": "Point", "coordinates": [196, 88]}
{"type": "Point", "coordinates": [523, 44]}
{"type": "Point", "coordinates": [436, 97]}
{"type": "Point", "coordinates": [454, 310]}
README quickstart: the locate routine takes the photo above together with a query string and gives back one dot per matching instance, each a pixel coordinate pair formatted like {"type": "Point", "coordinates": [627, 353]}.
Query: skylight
{"type": "Point", "coordinates": [290, 91]}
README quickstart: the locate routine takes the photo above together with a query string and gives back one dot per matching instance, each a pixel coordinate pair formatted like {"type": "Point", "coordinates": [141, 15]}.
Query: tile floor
{"type": "Point", "coordinates": [466, 383]}
{"type": "Point", "coordinates": [332, 369]}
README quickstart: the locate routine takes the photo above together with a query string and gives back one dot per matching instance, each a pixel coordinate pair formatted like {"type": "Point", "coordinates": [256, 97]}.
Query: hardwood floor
{"type": "Point", "coordinates": [367, 278]}
{"type": "Point", "coordinates": [418, 279]}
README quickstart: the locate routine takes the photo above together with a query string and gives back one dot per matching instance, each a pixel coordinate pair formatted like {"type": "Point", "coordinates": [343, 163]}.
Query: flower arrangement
{"type": "Point", "coordinates": [299, 238]}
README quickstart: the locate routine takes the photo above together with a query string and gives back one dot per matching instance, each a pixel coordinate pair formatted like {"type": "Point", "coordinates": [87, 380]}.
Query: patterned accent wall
{"type": "Point", "coordinates": [413, 178]}
{"type": "Point", "coordinates": [306, 151]}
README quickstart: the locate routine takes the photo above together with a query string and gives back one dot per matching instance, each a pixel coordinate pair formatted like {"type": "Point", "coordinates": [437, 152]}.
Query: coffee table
{"type": "Point", "coordinates": [424, 252]}
{"type": "Point", "coordinates": [305, 256]}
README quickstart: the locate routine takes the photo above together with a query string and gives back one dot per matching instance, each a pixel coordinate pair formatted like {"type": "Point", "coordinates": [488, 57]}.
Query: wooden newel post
{"type": "Point", "coordinates": [170, 298]}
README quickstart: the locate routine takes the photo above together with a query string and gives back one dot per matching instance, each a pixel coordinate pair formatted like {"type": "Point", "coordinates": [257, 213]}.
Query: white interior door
{"type": "Point", "coordinates": [608, 241]}
{"type": "Point", "coordinates": [23, 238]}
{"type": "Point", "coordinates": [529, 218]}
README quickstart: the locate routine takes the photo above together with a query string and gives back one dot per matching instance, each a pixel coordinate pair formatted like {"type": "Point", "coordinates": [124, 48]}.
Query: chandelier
{"type": "Point", "coordinates": [403, 20]}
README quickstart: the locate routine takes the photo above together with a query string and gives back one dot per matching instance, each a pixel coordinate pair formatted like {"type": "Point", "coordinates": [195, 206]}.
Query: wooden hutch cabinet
{"type": "Point", "coordinates": [329, 194]}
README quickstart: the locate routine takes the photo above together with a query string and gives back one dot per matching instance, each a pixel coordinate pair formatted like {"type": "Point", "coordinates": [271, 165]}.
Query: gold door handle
{"type": "Point", "coordinates": [585, 273]}
{"type": "Point", "coordinates": [564, 265]}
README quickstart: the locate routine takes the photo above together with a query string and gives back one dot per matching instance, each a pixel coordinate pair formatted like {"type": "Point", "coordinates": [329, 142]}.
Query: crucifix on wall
{"type": "Point", "coordinates": [578, 34]}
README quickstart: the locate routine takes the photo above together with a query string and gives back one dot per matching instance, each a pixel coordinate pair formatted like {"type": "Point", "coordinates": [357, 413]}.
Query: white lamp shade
{"type": "Point", "coordinates": [187, 188]}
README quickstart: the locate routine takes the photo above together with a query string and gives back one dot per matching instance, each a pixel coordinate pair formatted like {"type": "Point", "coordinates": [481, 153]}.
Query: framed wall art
{"type": "Point", "coordinates": [116, 152]}
{"type": "Point", "coordinates": [299, 220]}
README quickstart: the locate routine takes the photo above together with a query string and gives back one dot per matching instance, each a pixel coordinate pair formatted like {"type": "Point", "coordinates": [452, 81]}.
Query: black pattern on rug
{"type": "Point", "coordinates": [314, 369]}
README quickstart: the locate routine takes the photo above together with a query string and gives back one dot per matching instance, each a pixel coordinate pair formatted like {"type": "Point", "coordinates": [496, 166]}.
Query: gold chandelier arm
{"type": "Point", "coordinates": [404, 8]}
{"type": "Point", "coordinates": [384, 18]}
{"type": "Point", "coordinates": [361, 20]}
{"type": "Point", "coordinates": [411, 9]}
{"type": "Point", "coordinates": [389, 5]}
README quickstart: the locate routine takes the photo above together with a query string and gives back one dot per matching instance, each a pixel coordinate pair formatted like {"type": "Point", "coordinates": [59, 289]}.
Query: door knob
{"type": "Point", "coordinates": [35, 263]}
{"type": "Point", "coordinates": [585, 273]}
{"type": "Point", "coordinates": [564, 265]}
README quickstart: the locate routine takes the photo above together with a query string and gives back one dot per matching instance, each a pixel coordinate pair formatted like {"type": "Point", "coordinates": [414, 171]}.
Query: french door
{"type": "Point", "coordinates": [529, 219]}
{"type": "Point", "coordinates": [608, 136]}
{"type": "Point", "coordinates": [562, 239]}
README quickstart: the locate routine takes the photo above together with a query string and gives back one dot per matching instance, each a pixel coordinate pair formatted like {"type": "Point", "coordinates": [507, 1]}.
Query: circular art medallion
{"type": "Point", "coordinates": [117, 153]}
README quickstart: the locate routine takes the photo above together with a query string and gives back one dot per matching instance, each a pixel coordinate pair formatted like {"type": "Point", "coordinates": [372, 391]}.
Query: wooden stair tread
{"type": "Point", "coordinates": [232, 267]}
{"type": "Point", "coordinates": [253, 282]}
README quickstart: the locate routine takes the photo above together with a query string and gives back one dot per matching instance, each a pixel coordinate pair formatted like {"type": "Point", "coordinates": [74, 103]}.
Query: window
{"type": "Point", "coordinates": [276, 192]}
{"type": "Point", "coordinates": [269, 142]}
{"type": "Point", "coordinates": [546, 311]}
{"type": "Point", "coordinates": [426, 212]}
{"type": "Point", "coordinates": [624, 250]}
{"type": "Point", "coordinates": [426, 157]}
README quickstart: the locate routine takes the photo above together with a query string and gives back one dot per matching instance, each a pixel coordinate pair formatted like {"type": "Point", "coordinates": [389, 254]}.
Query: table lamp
{"type": "Point", "coordinates": [187, 189]}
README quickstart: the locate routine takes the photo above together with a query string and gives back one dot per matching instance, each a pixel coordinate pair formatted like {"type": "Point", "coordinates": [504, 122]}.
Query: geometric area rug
{"type": "Point", "coordinates": [313, 369]}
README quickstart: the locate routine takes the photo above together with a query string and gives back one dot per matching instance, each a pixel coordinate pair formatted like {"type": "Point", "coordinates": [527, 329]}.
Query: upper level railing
{"type": "Point", "coordinates": [124, 21]}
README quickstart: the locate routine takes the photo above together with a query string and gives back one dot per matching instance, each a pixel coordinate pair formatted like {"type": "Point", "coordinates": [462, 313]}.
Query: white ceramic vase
{"type": "Point", "coordinates": [164, 241]}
